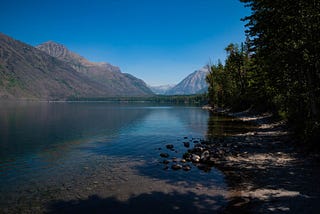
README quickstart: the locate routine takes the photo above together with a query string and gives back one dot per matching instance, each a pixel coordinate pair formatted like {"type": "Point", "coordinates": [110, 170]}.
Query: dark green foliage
{"type": "Point", "coordinates": [199, 99]}
{"type": "Point", "coordinates": [285, 40]}
{"type": "Point", "coordinates": [229, 83]}
{"type": "Point", "coordinates": [277, 69]}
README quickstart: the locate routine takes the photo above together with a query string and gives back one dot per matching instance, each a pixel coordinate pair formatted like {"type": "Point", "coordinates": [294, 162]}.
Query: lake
{"type": "Point", "coordinates": [80, 156]}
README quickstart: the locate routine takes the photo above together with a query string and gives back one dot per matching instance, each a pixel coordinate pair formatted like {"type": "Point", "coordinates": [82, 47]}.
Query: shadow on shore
{"type": "Point", "coordinates": [267, 171]}
{"type": "Point", "coordinates": [155, 202]}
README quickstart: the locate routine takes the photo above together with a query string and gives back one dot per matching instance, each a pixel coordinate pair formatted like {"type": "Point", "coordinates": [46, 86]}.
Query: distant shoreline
{"type": "Point", "coordinates": [198, 100]}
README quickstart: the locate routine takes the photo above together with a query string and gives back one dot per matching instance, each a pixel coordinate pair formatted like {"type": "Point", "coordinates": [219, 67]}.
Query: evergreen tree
{"type": "Point", "coordinates": [285, 40]}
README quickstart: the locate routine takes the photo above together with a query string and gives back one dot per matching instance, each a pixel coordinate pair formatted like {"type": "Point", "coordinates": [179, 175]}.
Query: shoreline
{"type": "Point", "coordinates": [265, 170]}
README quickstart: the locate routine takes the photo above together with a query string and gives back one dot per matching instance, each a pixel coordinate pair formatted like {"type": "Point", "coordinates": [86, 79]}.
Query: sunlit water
{"type": "Point", "coordinates": [70, 151]}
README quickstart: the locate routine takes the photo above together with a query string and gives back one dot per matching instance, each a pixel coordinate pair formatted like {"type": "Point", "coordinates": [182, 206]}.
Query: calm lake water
{"type": "Point", "coordinates": [60, 155]}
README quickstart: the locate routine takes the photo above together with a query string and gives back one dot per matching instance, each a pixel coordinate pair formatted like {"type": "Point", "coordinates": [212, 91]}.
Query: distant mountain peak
{"type": "Point", "coordinates": [62, 52]}
{"type": "Point", "coordinates": [54, 47]}
{"type": "Point", "coordinates": [161, 89]}
{"type": "Point", "coordinates": [194, 83]}
{"type": "Point", "coordinates": [78, 62]}
{"type": "Point", "coordinates": [51, 42]}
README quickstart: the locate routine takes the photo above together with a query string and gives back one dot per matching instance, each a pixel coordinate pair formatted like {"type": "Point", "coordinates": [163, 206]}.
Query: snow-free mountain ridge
{"type": "Point", "coordinates": [104, 73]}
{"type": "Point", "coordinates": [194, 83]}
{"type": "Point", "coordinates": [52, 72]}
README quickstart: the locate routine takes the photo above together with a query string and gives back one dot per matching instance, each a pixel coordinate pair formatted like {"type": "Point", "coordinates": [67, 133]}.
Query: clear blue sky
{"type": "Point", "coordinates": [159, 41]}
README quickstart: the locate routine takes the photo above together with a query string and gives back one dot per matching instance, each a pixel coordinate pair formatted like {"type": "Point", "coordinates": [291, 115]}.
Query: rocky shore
{"type": "Point", "coordinates": [266, 170]}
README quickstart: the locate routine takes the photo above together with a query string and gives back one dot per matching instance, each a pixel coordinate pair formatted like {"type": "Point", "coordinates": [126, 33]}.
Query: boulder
{"type": "Point", "coordinates": [195, 158]}
{"type": "Point", "coordinates": [205, 155]}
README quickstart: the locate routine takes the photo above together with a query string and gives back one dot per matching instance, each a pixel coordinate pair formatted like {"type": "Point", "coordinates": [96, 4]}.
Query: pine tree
{"type": "Point", "coordinates": [285, 40]}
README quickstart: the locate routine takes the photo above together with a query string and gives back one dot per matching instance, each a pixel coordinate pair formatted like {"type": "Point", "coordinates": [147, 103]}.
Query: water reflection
{"type": "Point", "coordinates": [48, 130]}
{"type": "Point", "coordinates": [221, 125]}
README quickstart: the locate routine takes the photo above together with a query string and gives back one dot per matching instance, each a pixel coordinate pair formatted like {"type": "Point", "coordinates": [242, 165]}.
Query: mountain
{"type": "Point", "coordinates": [104, 73]}
{"type": "Point", "coordinates": [194, 83]}
{"type": "Point", "coordinates": [161, 89]}
{"type": "Point", "coordinates": [29, 73]}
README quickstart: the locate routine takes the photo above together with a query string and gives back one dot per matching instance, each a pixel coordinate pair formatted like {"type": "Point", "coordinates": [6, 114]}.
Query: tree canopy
{"type": "Point", "coordinates": [278, 66]}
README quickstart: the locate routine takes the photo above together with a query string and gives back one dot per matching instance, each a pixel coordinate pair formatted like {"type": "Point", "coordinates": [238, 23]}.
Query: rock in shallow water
{"type": "Point", "coordinates": [175, 159]}
{"type": "Point", "coordinates": [166, 162]}
{"type": "Point", "coordinates": [195, 158]}
{"type": "Point", "coordinates": [186, 144]}
{"type": "Point", "coordinates": [186, 167]}
{"type": "Point", "coordinates": [176, 167]}
{"type": "Point", "coordinates": [169, 146]}
{"type": "Point", "coordinates": [164, 155]}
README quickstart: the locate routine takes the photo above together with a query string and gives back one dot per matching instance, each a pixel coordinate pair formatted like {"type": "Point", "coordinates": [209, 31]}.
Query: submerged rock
{"type": "Point", "coordinates": [169, 146]}
{"type": "Point", "coordinates": [175, 159]}
{"type": "Point", "coordinates": [198, 148]}
{"type": "Point", "coordinates": [186, 167]}
{"type": "Point", "coordinates": [165, 168]}
{"type": "Point", "coordinates": [165, 162]}
{"type": "Point", "coordinates": [186, 144]}
{"type": "Point", "coordinates": [164, 155]}
{"type": "Point", "coordinates": [176, 167]}
{"type": "Point", "coordinates": [187, 156]}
